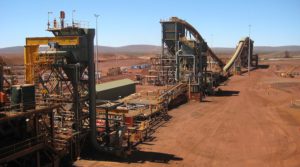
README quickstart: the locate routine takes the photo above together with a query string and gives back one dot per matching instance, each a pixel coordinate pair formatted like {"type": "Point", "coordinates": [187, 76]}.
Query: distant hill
{"type": "Point", "coordinates": [260, 49]}
{"type": "Point", "coordinates": [12, 50]}
{"type": "Point", "coordinates": [268, 49]}
{"type": "Point", "coordinates": [153, 49]}
{"type": "Point", "coordinates": [130, 49]}
{"type": "Point", "coordinates": [102, 49]}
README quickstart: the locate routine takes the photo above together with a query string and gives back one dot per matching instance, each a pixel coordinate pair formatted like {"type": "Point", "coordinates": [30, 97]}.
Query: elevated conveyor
{"type": "Point", "coordinates": [184, 56]}
{"type": "Point", "coordinates": [236, 54]}
{"type": "Point", "coordinates": [240, 56]}
{"type": "Point", "coordinates": [199, 39]}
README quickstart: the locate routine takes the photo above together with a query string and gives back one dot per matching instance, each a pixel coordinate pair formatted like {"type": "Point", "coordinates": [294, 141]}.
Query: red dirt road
{"type": "Point", "coordinates": [249, 125]}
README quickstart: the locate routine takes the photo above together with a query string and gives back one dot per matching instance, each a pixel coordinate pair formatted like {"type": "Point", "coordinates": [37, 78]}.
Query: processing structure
{"type": "Point", "coordinates": [59, 76]}
{"type": "Point", "coordinates": [186, 58]}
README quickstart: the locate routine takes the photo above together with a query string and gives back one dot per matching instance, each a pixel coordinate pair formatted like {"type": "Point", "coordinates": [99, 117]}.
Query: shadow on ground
{"type": "Point", "coordinates": [206, 101]}
{"type": "Point", "coordinates": [227, 93]}
{"type": "Point", "coordinates": [143, 156]}
{"type": "Point", "coordinates": [136, 157]}
{"type": "Point", "coordinates": [263, 66]}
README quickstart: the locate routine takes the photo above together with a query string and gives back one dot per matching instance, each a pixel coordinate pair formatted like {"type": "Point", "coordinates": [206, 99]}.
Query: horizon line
{"type": "Point", "coordinates": [160, 46]}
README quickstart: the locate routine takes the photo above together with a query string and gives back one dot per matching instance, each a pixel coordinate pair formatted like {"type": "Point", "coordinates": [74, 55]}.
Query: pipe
{"type": "Point", "coordinates": [28, 113]}
{"type": "Point", "coordinates": [162, 54]}
{"type": "Point", "coordinates": [92, 99]}
{"type": "Point", "coordinates": [177, 66]}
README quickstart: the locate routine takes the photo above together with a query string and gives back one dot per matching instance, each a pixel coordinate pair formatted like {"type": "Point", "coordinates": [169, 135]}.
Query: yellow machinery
{"type": "Point", "coordinates": [31, 55]}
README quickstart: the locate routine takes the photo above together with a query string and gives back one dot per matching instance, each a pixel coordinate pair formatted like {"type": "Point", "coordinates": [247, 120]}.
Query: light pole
{"type": "Point", "coordinates": [73, 23]}
{"type": "Point", "coordinates": [249, 50]}
{"type": "Point", "coordinates": [211, 59]}
{"type": "Point", "coordinates": [48, 19]}
{"type": "Point", "coordinates": [97, 74]}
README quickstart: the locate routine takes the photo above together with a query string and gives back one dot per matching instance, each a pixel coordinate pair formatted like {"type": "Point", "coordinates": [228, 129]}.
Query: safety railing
{"type": "Point", "coordinates": [9, 150]}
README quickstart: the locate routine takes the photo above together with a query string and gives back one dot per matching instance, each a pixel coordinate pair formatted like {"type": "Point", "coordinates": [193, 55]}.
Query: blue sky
{"type": "Point", "coordinates": [124, 22]}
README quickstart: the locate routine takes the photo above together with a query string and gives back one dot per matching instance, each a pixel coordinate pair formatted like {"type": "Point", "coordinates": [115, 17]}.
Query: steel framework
{"type": "Point", "coordinates": [184, 56]}
{"type": "Point", "coordinates": [63, 74]}
{"type": "Point", "coordinates": [28, 138]}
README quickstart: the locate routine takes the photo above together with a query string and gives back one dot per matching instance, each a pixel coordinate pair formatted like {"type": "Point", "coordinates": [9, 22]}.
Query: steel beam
{"type": "Point", "coordinates": [22, 153]}
{"type": "Point", "coordinates": [61, 40]}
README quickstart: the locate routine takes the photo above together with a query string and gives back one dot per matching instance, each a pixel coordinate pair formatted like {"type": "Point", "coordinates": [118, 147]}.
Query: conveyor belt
{"type": "Point", "coordinates": [236, 54]}
{"type": "Point", "coordinates": [199, 38]}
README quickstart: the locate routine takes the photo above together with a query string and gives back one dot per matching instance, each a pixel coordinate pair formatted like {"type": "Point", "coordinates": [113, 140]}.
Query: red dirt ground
{"type": "Point", "coordinates": [118, 60]}
{"type": "Point", "coordinates": [250, 124]}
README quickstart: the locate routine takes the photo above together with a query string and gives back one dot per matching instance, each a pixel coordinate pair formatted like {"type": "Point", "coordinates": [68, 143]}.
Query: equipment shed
{"type": "Point", "coordinates": [115, 89]}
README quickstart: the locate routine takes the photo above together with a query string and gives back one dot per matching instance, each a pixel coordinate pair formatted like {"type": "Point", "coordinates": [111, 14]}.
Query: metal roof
{"type": "Point", "coordinates": [113, 84]}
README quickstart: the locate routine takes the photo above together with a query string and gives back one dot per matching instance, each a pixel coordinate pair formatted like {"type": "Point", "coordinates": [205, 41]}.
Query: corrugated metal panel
{"type": "Point", "coordinates": [115, 89]}
{"type": "Point", "coordinates": [113, 84]}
